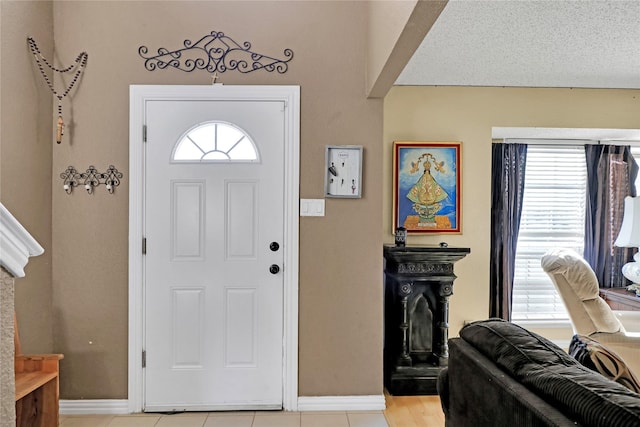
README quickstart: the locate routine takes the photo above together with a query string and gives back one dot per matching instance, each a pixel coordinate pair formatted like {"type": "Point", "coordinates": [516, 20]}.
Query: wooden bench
{"type": "Point", "coordinates": [37, 387]}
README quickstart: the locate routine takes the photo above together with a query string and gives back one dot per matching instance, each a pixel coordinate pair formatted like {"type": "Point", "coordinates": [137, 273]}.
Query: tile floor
{"type": "Point", "coordinates": [230, 419]}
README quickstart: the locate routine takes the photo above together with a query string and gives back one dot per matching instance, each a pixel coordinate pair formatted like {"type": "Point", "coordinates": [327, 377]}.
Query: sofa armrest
{"type": "Point", "coordinates": [443, 390]}
{"type": "Point", "coordinates": [624, 345]}
{"type": "Point", "coordinates": [475, 383]}
{"type": "Point", "coordinates": [630, 320]}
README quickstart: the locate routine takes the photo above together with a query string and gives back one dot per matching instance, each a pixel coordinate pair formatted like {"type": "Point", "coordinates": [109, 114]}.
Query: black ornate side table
{"type": "Point", "coordinates": [418, 282]}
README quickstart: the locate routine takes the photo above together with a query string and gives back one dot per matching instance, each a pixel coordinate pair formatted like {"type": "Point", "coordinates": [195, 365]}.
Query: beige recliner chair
{"type": "Point", "coordinates": [590, 314]}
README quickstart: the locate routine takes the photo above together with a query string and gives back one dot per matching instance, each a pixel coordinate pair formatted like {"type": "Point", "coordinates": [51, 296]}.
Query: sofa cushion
{"type": "Point", "coordinates": [545, 369]}
{"type": "Point", "coordinates": [589, 397]}
{"type": "Point", "coordinates": [603, 360]}
{"type": "Point", "coordinates": [512, 346]}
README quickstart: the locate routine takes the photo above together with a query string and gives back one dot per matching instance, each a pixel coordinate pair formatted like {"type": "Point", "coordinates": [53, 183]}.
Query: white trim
{"type": "Point", "coordinates": [342, 403]}
{"type": "Point", "coordinates": [590, 134]}
{"type": "Point", "coordinates": [94, 406]}
{"type": "Point", "coordinates": [544, 324]}
{"type": "Point", "coordinates": [291, 233]}
{"type": "Point", "coordinates": [16, 244]}
{"type": "Point", "coordinates": [139, 95]}
{"type": "Point", "coordinates": [136, 271]}
{"type": "Point", "coordinates": [568, 142]}
{"type": "Point", "coordinates": [304, 403]}
{"type": "Point", "coordinates": [223, 407]}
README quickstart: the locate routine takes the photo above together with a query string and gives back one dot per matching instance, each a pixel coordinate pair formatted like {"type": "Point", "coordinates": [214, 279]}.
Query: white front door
{"type": "Point", "coordinates": [213, 287]}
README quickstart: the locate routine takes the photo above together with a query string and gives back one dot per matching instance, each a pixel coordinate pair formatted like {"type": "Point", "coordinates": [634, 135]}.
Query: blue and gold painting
{"type": "Point", "coordinates": [427, 186]}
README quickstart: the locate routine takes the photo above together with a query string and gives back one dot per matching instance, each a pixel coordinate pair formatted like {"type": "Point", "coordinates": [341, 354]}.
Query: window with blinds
{"type": "Point", "coordinates": [553, 215]}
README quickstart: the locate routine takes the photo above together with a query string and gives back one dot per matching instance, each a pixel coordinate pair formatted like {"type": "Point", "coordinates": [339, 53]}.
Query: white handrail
{"type": "Point", "coordinates": [16, 244]}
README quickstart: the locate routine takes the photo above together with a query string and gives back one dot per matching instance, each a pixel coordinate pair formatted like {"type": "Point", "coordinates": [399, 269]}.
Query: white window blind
{"type": "Point", "coordinates": [553, 215]}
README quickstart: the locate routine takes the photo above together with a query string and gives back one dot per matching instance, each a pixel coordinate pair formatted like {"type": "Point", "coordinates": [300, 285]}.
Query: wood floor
{"type": "Point", "coordinates": [413, 411]}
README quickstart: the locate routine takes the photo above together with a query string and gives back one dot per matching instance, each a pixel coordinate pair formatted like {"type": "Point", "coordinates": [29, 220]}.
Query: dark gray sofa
{"type": "Point", "coordinates": [501, 374]}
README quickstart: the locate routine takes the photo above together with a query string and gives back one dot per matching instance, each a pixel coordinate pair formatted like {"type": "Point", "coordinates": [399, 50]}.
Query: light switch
{"type": "Point", "coordinates": [311, 207]}
{"type": "Point", "coordinates": [318, 207]}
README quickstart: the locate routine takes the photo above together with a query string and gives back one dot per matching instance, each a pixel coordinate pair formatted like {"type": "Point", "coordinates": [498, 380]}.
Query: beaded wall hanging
{"type": "Point", "coordinates": [76, 69]}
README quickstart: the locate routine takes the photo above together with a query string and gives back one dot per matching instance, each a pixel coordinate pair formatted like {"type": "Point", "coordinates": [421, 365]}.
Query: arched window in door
{"type": "Point", "coordinates": [215, 142]}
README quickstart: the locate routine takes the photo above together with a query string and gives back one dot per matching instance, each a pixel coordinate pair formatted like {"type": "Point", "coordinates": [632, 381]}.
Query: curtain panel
{"type": "Point", "coordinates": [508, 163]}
{"type": "Point", "coordinates": [611, 175]}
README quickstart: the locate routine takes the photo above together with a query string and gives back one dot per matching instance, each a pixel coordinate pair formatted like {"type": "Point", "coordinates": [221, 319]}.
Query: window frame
{"type": "Point", "coordinates": [635, 151]}
{"type": "Point", "coordinates": [184, 136]}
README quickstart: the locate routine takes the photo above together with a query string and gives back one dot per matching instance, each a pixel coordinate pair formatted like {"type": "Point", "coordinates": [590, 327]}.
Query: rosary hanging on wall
{"type": "Point", "coordinates": [75, 69]}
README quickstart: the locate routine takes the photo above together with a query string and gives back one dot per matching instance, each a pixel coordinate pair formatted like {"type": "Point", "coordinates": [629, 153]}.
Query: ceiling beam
{"type": "Point", "coordinates": [396, 29]}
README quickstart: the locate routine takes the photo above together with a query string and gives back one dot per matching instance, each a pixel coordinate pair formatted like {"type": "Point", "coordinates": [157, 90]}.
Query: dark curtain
{"type": "Point", "coordinates": [611, 175]}
{"type": "Point", "coordinates": [507, 190]}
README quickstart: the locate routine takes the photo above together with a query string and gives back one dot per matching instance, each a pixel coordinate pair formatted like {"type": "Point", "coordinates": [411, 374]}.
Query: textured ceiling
{"type": "Point", "coordinates": [531, 43]}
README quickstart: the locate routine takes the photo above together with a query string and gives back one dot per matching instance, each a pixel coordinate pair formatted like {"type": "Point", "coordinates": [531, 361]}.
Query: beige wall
{"type": "Point", "coordinates": [340, 254]}
{"type": "Point", "coordinates": [467, 115]}
{"type": "Point", "coordinates": [85, 237]}
{"type": "Point", "coordinates": [25, 158]}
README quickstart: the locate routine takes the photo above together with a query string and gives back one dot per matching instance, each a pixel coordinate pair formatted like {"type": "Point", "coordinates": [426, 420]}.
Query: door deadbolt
{"type": "Point", "coordinates": [274, 269]}
{"type": "Point", "coordinates": [274, 246]}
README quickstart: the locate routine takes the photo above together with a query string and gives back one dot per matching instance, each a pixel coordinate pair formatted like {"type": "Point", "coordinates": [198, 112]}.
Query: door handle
{"type": "Point", "coordinates": [274, 269]}
{"type": "Point", "coordinates": [274, 246]}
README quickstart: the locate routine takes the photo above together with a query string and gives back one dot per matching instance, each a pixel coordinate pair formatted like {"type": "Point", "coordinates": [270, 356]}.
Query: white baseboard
{"type": "Point", "coordinates": [341, 403]}
{"type": "Point", "coordinates": [94, 406]}
{"type": "Point", "coordinates": [305, 403]}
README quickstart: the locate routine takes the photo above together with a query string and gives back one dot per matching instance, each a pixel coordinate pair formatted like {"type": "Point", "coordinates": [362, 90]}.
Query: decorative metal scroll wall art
{"type": "Point", "coordinates": [91, 179]}
{"type": "Point", "coordinates": [214, 53]}
{"type": "Point", "coordinates": [76, 69]}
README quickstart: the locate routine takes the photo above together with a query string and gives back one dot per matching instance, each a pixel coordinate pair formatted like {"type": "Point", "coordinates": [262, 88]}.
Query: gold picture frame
{"type": "Point", "coordinates": [427, 187]}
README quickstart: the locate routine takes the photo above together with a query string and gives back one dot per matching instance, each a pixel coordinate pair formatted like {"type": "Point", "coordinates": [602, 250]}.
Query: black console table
{"type": "Point", "coordinates": [418, 283]}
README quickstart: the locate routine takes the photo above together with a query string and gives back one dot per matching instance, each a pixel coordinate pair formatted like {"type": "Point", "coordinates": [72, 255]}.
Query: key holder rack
{"type": "Point", "coordinates": [91, 179]}
{"type": "Point", "coordinates": [343, 173]}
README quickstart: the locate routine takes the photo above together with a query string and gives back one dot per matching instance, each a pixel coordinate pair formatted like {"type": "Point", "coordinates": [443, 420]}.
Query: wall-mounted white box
{"type": "Point", "coordinates": [343, 171]}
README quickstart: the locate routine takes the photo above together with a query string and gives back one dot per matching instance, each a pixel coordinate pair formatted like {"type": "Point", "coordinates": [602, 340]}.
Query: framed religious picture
{"type": "Point", "coordinates": [426, 187]}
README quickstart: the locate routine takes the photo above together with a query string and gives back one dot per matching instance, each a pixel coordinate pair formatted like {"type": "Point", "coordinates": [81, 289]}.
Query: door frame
{"type": "Point", "coordinates": [139, 95]}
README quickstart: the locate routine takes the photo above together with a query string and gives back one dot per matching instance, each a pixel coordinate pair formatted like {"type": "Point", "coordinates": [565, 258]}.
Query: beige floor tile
{"type": "Point", "coordinates": [229, 420]}
{"type": "Point", "coordinates": [276, 420]}
{"type": "Point", "coordinates": [135, 421]}
{"type": "Point", "coordinates": [182, 420]}
{"type": "Point", "coordinates": [281, 412]}
{"type": "Point", "coordinates": [85, 420]}
{"type": "Point", "coordinates": [324, 420]}
{"type": "Point", "coordinates": [367, 420]}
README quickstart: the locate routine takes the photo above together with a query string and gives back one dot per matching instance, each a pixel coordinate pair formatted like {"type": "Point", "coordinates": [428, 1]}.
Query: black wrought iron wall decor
{"type": "Point", "coordinates": [214, 52]}
{"type": "Point", "coordinates": [91, 179]}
